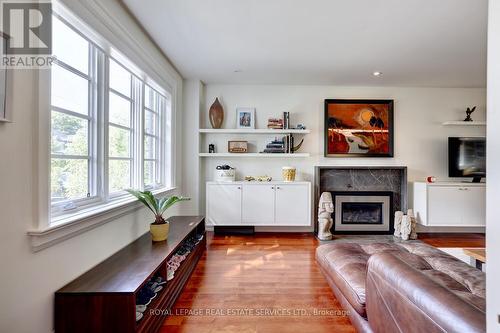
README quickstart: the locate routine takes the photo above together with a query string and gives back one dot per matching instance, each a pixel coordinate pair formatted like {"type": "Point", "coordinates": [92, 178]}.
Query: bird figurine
{"type": "Point", "coordinates": [468, 113]}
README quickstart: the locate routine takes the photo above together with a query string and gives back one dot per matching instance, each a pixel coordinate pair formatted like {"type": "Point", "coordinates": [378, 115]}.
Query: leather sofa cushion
{"type": "Point", "coordinates": [346, 265]}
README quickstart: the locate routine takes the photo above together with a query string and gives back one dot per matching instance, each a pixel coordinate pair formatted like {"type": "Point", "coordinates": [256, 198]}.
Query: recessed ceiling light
{"type": "Point", "coordinates": [377, 73]}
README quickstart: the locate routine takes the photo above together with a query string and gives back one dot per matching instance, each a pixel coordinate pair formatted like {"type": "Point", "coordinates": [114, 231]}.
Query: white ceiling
{"type": "Point", "coordinates": [413, 42]}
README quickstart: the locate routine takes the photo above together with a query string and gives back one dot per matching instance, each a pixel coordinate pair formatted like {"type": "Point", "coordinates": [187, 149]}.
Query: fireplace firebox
{"type": "Point", "coordinates": [362, 211]}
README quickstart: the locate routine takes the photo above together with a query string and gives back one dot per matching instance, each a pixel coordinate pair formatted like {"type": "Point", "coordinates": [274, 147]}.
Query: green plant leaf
{"type": "Point", "coordinates": [157, 206]}
{"type": "Point", "coordinates": [170, 201]}
{"type": "Point", "coordinates": [162, 202]}
{"type": "Point", "coordinates": [141, 197]}
{"type": "Point", "coordinates": [150, 198]}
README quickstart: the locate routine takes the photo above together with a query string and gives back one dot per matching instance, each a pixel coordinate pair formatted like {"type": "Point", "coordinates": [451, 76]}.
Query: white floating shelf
{"type": "Point", "coordinates": [464, 123]}
{"type": "Point", "coordinates": [253, 131]}
{"type": "Point", "coordinates": [237, 155]}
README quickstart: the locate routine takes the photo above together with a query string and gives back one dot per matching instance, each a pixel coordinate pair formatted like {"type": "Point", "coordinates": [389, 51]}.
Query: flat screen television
{"type": "Point", "coordinates": [467, 157]}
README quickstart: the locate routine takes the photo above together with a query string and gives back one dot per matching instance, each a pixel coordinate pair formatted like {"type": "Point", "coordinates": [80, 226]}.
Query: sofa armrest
{"type": "Point", "coordinates": [400, 298]}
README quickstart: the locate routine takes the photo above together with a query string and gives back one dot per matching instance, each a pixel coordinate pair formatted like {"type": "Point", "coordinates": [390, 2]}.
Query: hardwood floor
{"type": "Point", "coordinates": [265, 272]}
{"type": "Point", "coordinates": [453, 239]}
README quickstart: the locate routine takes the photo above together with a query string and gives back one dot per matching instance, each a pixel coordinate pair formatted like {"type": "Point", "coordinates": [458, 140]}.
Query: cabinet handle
{"type": "Point", "coordinates": [272, 187]}
{"type": "Point", "coordinates": [277, 187]}
{"type": "Point", "coordinates": [239, 187]}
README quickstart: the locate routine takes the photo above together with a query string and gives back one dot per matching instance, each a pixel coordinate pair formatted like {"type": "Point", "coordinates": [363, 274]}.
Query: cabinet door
{"type": "Point", "coordinates": [224, 204]}
{"type": "Point", "coordinates": [258, 204]}
{"type": "Point", "coordinates": [445, 206]}
{"type": "Point", "coordinates": [293, 205]}
{"type": "Point", "coordinates": [474, 206]}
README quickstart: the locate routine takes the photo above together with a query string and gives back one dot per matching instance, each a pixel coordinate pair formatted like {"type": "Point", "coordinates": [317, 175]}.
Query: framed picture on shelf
{"type": "Point", "coordinates": [245, 117]}
{"type": "Point", "coordinates": [4, 115]}
{"type": "Point", "coordinates": [237, 146]}
{"type": "Point", "coordinates": [359, 128]}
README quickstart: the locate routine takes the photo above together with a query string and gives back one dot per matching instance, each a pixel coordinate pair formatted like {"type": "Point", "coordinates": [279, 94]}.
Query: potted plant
{"type": "Point", "coordinates": [159, 228]}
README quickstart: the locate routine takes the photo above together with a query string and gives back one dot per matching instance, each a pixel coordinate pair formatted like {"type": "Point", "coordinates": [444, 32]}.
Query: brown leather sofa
{"type": "Point", "coordinates": [404, 287]}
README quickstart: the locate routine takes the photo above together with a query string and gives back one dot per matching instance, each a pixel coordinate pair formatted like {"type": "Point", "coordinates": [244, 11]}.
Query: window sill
{"type": "Point", "coordinates": [71, 225]}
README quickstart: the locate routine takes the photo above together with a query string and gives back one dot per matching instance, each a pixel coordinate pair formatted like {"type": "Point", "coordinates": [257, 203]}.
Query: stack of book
{"type": "Point", "coordinates": [275, 123]}
{"type": "Point", "coordinates": [280, 146]}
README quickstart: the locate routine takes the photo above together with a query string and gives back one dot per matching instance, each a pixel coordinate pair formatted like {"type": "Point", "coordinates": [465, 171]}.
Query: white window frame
{"type": "Point", "coordinates": [134, 132]}
{"type": "Point", "coordinates": [94, 139]}
{"type": "Point", "coordinates": [161, 125]}
{"type": "Point", "coordinates": [53, 229]}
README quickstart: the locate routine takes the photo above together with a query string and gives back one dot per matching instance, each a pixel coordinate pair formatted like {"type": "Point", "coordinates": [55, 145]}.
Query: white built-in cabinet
{"type": "Point", "coordinates": [450, 204]}
{"type": "Point", "coordinates": [224, 203]}
{"type": "Point", "coordinates": [292, 204]}
{"type": "Point", "coordinates": [259, 203]}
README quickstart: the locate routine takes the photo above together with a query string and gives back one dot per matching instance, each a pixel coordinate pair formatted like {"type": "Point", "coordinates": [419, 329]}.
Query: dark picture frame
{"type": "Point", "coordinates": [359, 128]}
{"type": "Point", "coordinates": [5, 73]}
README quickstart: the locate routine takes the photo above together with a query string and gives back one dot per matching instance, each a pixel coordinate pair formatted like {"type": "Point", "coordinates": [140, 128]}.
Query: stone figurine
{"type": "Point", "coordinates": [398, 217]}
{"type": "Point", "coordinates": [405, 227]}
{"type": "Point", "coordinates": [413, 233]}
{"type": "Point", "coordinates": [325, 221]}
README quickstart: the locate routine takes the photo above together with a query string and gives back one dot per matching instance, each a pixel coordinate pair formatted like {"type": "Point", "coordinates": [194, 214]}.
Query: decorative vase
{"type": "Point", "coordinates": [159, 232]}
{"type": "Point", "coordinates": [216, 114]}
{"type": "Point", "coordinates": [288, 174]}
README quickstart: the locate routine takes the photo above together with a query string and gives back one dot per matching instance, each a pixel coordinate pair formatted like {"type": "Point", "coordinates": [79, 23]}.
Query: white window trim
{"type": "Point", "coordinates": [85, 220]}
{"type": "Point", "coordinates": [47, 233]}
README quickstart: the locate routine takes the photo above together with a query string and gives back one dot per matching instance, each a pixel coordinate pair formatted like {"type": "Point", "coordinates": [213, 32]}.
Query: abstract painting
{"type": "Point", "coordinates": [359, 127]}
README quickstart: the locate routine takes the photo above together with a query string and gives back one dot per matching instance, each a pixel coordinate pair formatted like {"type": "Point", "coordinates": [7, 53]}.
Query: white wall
{"type": "Point", "coordinates": [493, 166]}
{"type": "Point", "coordinates": [193, 96]}
{"type": "Point", "coordinates": [420, 139]}
{"type": "Point", "coordinates": [28, 280]}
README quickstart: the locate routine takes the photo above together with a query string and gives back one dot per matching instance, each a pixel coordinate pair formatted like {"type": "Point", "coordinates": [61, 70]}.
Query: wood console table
{"type": "Point", "coordinates": [478, 255]}
{"type": "Point", "coordinates": [103, 299]}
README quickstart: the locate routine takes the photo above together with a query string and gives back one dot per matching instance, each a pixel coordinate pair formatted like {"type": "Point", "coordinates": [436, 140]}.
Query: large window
{"type": "Point", "coordinates": [110, 131]}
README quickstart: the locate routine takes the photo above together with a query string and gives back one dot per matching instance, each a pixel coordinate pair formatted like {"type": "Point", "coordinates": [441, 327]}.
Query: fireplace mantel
{"type": "Point", "coordinates": [362, 178]}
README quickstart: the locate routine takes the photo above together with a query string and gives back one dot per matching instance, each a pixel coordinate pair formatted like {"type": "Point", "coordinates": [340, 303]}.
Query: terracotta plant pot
{"type": "Point", "coordinates": [159, 232]}
{"type": "Point", "coordinates": [216, 114]}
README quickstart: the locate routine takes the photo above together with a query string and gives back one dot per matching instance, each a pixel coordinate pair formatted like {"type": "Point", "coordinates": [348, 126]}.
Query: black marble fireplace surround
{"type": "Point", "coordinates": [363, 179]}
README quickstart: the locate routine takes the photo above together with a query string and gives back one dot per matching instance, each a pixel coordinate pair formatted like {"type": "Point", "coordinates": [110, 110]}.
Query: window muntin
{"type": "Point", "coordinates": [109, 128]}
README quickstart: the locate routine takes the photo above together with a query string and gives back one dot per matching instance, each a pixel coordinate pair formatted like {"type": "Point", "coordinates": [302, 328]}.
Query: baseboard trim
{"type": "Point", "coordinates": [234, 230]}
{"type": "Point", "coordinates": [424, 229]}
{"type": "Point", "coordinates": [274, 229]}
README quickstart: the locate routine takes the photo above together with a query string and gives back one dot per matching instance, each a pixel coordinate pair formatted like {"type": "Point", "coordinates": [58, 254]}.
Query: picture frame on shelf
{"type": "Point", "coordinates": [245, 118]}
{"type": "Point", "coordinates": [4, 72]}
{"type": "Point", "coordinates": [237, 146]}
{"type": "Point", "coordinates": [359, 128]}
